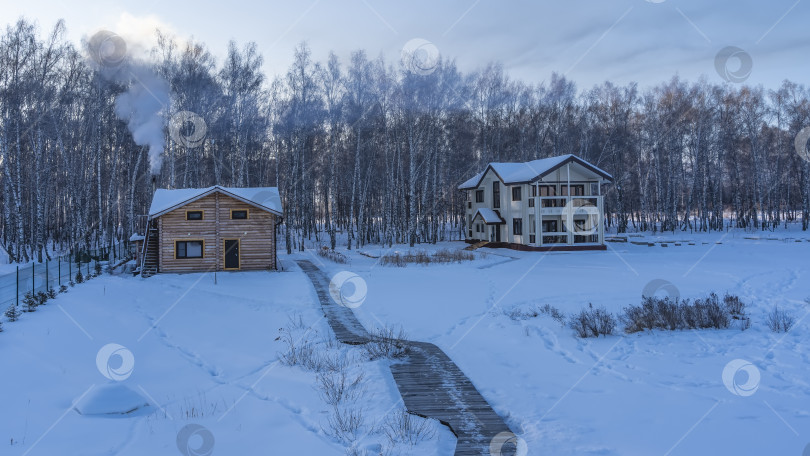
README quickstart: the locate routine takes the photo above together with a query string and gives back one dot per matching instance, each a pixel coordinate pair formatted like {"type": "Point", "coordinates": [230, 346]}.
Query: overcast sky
{"type": "Point", "coordinates": [589, 41]}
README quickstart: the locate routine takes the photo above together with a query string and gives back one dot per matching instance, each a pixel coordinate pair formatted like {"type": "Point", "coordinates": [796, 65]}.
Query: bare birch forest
{"type": "Point", "coordinates": [365, 150]}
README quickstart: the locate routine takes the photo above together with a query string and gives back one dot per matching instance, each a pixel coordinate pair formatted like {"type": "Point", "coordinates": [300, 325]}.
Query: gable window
{"type": "Point", "coordinates": [517, 226]}
{"type": "Point", "coordinates": [479, 196]}
{"type": "Point", "coordinates": [516, 194]}
{"type": "Point", "coordinates": [534, 190]}
{"type": "Point", "coordinates": [188, 249]}
{"type": "Point", "coordinates": [194, 215]}
{"type": "Point", "coordinates": [240, 214]}
{"type": "Point", "coordinates": [496, 194]}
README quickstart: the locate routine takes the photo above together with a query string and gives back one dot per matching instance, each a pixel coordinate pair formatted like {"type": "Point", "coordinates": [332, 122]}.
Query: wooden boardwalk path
{"type": "Point", "coordinates": [430, 383]}
{"type": "Point", "coordinates": [346, 326]}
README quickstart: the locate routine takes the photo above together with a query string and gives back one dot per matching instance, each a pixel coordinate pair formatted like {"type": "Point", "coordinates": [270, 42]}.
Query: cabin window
{"type": "Point", "coordinates": [534, 190]}
{"type": "Point", "coordinates": [516, 194]}
{"type": "Point", "coordinates": [531, 201]}
{"type": "Point", "coordinates": [194, 215]}
{"type": "Point", "coordinates": [240, 214]}
{"type": "Point", "coordinates": [549, 226]}
{"type": "Point", "coordinates": [188, 249]}
{"type": "Point", "coordinates": [531, 224]}
{"type": "Point", "coordinates": [479, 196]}
{"type": "Point", "coordinates": [496, 194]}
{"type": "Point", "coordinates": [517, 226]}
{"type": "Point", "coordinates": [594, 189]}
{"type": "Point", "coordinates": [532, 239]}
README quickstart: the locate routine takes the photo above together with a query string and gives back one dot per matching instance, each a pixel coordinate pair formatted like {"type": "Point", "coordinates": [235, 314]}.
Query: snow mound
{"type": "Point", "coordinates": [112, 399]}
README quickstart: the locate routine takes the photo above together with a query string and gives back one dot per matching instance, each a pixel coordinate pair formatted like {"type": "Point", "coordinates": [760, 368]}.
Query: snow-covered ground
{"type": "Point", "coordinates": [212, 356]}
{"type": "Point", "coordinates": [202, 354]}
{"type": "Point", "coordinates": [639, 394]}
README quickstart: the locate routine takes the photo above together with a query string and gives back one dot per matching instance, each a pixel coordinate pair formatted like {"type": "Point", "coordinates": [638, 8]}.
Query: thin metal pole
{"type": "Point", "coordinates": [17, 302]}
{"type": "Point", "coordinates": [59, 270]}
{"type": "Point", "coordinates": [33, 279]}
{"type": "Point", "coordinates": [47, 276]}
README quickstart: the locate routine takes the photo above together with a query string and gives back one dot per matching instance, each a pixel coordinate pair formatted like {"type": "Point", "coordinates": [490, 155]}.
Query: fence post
{"type": "Point", "coordinates": [47, 276]}
{"type": "Point", "coordinates": [33, 279]}
{"type": "Point", "coordinates": [70, 270]}
{"type": "Point", "coordinates": [17, 302]}
{"type": "Point", "coordinates": [59, 271]}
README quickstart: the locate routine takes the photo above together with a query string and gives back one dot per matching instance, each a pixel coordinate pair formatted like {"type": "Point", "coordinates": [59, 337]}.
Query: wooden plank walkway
{"type": "Point", "coordinates": [431, 384]}
{"type": "Point", "coordinates": [346, 326]}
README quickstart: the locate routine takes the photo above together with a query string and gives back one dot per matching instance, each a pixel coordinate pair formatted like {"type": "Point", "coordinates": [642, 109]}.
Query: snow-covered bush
{"type": "Point", "coordinates": [332, 255]}
{"type": "Point", "coordinates": [51, 293]}
{"type": "Point", "coordinates": [402, 427]}
{"type": "Point", "coordinates": [29, 302]}
{"type": "Point", "coordinates": [41, 298]}
{"type": "Point", "coordinates": [79, 276]}
{"type": "Point", "coordinates": [299, 352]}
{"type": "Point", "coordinates": [522, 313]}
{"type": "Point", "coordinates": [452, 256]}
{"type": "Point", "coordinates": [339, 387]}
{"type": "Point", "coordinates": [779, 320]}
{"type": "Point", "coordinates": [735, 306]}
{"type": "Point", "coordinates": [672, 314]}
{"type": "Point", "coordinates": [63, 288]}
{"type": "Point", "coordinates": [12, 313]}
{"type": "Point", "coordinates": [711, 313]}
{"type": "Point", "coordinates": [358, 451]}
{"type": "Point", "coordinates": [387, 343]}
{"type": "Point", "coordinates": [97, 268]}
{"type": "Point", "coordinates": [422, 257]}
{"type": "Point", "coordinates": [593, 322]}
{"type": "Point", "coordinates": [344, 423]}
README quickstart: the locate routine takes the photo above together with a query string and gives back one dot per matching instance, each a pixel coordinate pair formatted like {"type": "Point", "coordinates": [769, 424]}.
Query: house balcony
{"type": "Point", "coordinates": [579, 220]}
{"type": "Point", "coordinates": [556, 205]}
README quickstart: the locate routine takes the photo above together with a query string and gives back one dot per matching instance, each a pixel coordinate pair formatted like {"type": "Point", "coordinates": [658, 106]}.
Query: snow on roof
{"type": "Point", "coordinates": [165, 200]}
{"type": "Point", "coordinates": [512, 173]}
{"type": "Point", "coordinates": [489, 216]}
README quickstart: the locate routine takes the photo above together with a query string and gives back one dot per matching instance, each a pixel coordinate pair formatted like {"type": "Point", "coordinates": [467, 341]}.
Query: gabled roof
{"type": "Point", "coordinates": [518, 173]}
{"type": "Point", "coordinates": [165, 200]}
{"type": "Point", "coordinates": [489, 216]}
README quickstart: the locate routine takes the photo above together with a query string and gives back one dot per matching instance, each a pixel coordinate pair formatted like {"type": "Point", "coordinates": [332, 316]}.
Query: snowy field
{"type": "Point", "coordinates": [208, 354]}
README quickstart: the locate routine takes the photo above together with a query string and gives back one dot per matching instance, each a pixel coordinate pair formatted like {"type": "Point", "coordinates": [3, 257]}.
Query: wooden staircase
{"type": "Point", "coordinates": [149, 257]}
{"type": "Point", "coordinates": [477, 245]}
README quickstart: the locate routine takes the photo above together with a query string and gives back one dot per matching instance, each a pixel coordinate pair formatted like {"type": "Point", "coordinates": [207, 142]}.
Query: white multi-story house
{"type": "Point", "coordinates": [552, 203]}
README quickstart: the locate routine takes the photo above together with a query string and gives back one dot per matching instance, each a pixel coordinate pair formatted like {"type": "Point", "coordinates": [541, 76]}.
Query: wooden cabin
{"type": "Point", "coordinates": [553, 203]}
{"type": "Point", "coordinates": [211, 229]}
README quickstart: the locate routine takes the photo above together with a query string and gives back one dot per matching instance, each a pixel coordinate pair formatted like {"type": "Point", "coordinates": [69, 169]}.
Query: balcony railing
{"type": "Point", "coordinates": [554, 205]}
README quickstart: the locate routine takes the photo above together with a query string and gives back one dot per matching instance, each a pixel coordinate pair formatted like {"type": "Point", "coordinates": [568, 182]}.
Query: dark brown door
{"type": "Point", "coordinates": [231, 253]}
